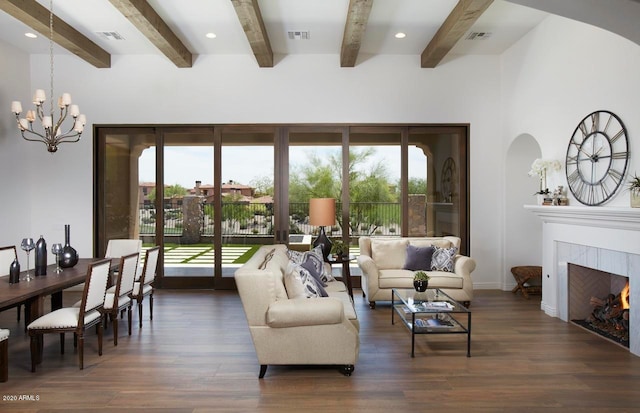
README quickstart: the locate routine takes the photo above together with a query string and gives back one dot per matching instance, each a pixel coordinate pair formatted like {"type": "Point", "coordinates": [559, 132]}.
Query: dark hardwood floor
{"type": "Point", "coordinates": [197, 356]}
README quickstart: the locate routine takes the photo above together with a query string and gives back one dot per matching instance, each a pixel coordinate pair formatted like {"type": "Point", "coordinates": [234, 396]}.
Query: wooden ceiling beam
{"type": "Point", "coordinates": [461, 18]}
{"type": "Point", "coordinates": [354, 28]}
{"type": "Point", "coordinates": [145, 18]}
{"type": "Point", "coordinates": [34, 15]}
{"type": "Point", "coordinates": [250, 18]}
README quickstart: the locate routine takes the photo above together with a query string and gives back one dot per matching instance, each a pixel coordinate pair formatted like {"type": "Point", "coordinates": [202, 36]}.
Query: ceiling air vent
{"type": "Point", "coordinates": [111, 35]}
{"type": "Point", "coordinates": [299, 35]}
{"type": "Point", "coordinates": [478, 35]}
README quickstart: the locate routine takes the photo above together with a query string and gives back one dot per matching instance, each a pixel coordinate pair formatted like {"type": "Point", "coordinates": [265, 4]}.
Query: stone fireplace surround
{"type": "Point", "coordinates": [603, 238]}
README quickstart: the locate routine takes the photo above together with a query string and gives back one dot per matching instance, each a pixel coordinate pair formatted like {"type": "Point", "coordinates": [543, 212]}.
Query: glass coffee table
{"type": "Point", "coordinates": [430, 312]}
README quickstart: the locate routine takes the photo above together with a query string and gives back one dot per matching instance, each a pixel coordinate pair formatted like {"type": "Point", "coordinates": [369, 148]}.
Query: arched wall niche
{"type": "Point", "coordinates": [523, 230]}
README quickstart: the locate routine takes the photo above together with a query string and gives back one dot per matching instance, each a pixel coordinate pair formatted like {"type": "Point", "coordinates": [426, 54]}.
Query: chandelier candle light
{"type": "Point", "coordinates": [52, 134]}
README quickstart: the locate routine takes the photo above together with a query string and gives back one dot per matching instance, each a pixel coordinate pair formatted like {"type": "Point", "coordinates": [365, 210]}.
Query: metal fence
{"type": "Point", "coordinates": [366, 218]}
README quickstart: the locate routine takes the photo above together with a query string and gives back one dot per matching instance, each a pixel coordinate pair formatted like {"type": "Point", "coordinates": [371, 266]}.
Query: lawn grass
{"type": "Point", "coordinates": [245, 257]}
{"type": "Point", "coordinates": [240, 260]}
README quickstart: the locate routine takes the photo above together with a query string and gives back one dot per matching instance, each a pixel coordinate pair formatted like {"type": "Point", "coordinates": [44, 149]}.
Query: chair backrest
{"type": "Point", "coordinates": [127, 274]}
{"type": "Point", "coordinates": [95, 287]}
{"type": "Point", "coordinates": [116, 248]}
{"type": "Point", "coordinates": [7, 255]}
{"type": "Point", "coordinates": [150, 265]}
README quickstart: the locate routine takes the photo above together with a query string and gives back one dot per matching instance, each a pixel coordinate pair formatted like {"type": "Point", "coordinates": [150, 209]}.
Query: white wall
{"type": "Point", "coordinates": [555, 76]}
{"type": "Point", "coordinates": [15, 166]}
{"type": "Point", "coordinates": [299, 89]}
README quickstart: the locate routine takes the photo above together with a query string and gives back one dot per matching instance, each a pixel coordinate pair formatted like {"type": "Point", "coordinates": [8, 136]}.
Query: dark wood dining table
{"type": "Point", "coordinates": [32, 293]}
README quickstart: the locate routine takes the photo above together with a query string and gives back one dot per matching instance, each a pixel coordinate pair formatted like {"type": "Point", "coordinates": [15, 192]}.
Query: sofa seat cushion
{"type": "Point", "coordinates": [335, 286]}
{"type": "Point", "coordinates": [443, 279]}
{"type": "Point", "coordinates": [397, 278]}
{"type": "Point", "coordinates": [349, 310]}
{"type": "Point", "coordinates": [404, 279]}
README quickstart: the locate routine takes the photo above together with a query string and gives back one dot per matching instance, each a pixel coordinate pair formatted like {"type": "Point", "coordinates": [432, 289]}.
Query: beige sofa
{"type": "Point", "coordinates": [382, 260]}
{"type": "Point", "coordinates": [319, 331]}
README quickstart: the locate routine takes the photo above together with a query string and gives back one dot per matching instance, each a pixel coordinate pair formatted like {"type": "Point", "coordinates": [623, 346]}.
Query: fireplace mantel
{"type": "Point", "coordinates": [603, 238]}
{"type": "Point", "coordinates": [603, 217]}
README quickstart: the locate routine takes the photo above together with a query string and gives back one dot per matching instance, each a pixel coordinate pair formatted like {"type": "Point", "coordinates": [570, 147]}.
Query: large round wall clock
{"type": "Point", "coordinates": [597, 158]}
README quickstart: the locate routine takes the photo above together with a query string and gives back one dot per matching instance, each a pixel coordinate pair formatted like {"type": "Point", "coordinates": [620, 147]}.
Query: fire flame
{"type": "Point", "coordinates": [624, 296]}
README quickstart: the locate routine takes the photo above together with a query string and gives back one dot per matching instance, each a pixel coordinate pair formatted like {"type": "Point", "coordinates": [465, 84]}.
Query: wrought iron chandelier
{"type": "Point", "coordinates": [52, 134]}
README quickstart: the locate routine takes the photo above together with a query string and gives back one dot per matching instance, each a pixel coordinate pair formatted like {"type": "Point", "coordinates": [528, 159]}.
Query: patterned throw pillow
{"type": "Point", "coordinates": [315, 258]}
{"type": "Point", "coordinates": [314, 270]}
{"type": "Point", "coordinates": [442, 259]}
{"type": "Point", "coordinates": [299, 283]}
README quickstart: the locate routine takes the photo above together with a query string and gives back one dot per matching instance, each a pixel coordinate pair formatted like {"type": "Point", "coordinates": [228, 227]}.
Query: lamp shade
{"type": "Point", "coordinates": [322, 212]}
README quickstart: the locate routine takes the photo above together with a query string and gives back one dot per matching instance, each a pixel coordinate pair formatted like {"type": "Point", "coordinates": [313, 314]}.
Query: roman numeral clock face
{"type": "Point", "coordinates": [597, 158]}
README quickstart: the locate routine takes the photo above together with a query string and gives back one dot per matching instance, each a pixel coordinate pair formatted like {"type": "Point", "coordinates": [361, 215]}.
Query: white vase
{"type": "Point", "coordinates": [635, 199]}
{"type": "Point", "coordinates": [539, 199]}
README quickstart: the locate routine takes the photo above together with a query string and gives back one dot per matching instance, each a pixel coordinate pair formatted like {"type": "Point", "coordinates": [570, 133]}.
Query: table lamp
{"type": "Point", "coordinates": [322, 213]}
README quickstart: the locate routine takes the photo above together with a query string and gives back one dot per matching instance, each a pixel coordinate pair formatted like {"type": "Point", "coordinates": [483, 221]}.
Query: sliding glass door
{"type": "Point", "coordinates": [124, 208]}
{"type": "Point", "coordinates": [247, 189]}
{"type": "Point", "coordinates": [211, 195]}
{"type": "Point", "coordinates": [187, 193]}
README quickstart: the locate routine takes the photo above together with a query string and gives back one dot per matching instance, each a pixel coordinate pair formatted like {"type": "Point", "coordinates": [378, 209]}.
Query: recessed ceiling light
{"type": "Point", "coordinates": [400, 35]}
{"type": "Point", "coordinates": [31, 35]}
{"type": "Point", "coordinates": [211, 35]}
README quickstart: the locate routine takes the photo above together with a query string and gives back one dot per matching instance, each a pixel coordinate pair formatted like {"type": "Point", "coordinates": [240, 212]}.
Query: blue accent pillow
{"type": "Point", "coordinates": [419, 258]}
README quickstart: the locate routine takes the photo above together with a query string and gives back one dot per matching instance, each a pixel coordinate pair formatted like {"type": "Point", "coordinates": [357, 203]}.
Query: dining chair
{"type": "Point", "coordinates": [142, 287]}
{"type": "Point", "coordinates": [74, 319]}
{"type": "Point", "coordinates": [117, 248]}
{"type": "Point", "coordinates": [118, 297]}
{"type": "Point", "coordinates": [4, 355]}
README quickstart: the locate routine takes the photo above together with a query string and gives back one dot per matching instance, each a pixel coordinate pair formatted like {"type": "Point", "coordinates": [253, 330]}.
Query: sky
{"type": "Point", "coordinates": [186, 164]}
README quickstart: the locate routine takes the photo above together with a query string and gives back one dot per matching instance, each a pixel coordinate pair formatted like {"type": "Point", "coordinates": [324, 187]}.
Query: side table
{"type": "Point", "coordinates": [346, 272]}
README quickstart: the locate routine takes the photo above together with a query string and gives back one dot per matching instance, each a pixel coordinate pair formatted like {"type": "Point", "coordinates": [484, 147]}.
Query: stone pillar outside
{"type": "Point", "coordinates": [417, 215]}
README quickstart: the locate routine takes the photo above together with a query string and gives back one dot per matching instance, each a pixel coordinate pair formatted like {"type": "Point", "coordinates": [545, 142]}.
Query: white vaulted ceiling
{"type": "Point", "coordinates": [353, 29]}
{"type": "Point", "coordinates": [182, 26]}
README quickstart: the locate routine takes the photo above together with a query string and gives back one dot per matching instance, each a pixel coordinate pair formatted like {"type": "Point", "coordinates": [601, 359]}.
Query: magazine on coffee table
{"type": "Point", "coordinates": [438, 305]}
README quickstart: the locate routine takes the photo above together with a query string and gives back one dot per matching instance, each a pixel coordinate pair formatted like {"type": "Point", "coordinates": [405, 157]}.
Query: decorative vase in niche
{"type": "Point", "coordinates": [41, 256]}
{"type": "Point", "coordinates": [420, 285]}
{"type": "Point", "coordinates": [635, 199]}
{"type": "Point", "coordinates": [69, 256]}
